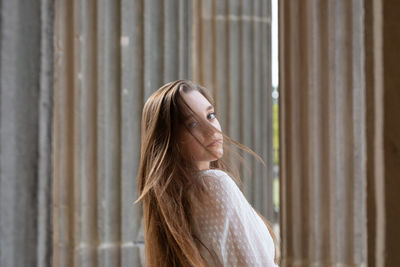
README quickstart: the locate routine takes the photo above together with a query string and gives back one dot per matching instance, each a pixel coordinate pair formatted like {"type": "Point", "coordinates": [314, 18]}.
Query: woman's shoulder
{"type": "Point", "coordinates": [218, 179]}
{"type": "Point", "coordinates": [222, 195]}
{"type": "Point", "coordinates": [216, 176]}
{"type": "Point", "coordinates": [214, 172]}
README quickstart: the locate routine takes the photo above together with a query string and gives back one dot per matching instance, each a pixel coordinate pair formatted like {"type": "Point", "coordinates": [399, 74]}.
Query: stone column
{"type": "Point", "coordinates": [111, 55]}
{"type": "Point", "coordinates": [26, 91]}
{"type": "Point", "coordinates": [231, 57]}
{"type": "Point", "coordinates": [382, 40]}
{"type": "Point", "coordinates": [323, 140]}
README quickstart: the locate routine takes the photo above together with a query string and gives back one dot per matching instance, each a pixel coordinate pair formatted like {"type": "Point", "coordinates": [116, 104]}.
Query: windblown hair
{"type": "Point", "coordinates": [166, 179]}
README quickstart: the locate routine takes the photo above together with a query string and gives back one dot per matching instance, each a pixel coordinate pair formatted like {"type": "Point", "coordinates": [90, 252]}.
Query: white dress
{"type": "Point", "coordinates": [229, 227]}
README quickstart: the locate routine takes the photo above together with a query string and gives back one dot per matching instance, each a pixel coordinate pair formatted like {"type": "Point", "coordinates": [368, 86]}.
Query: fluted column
{"type": "Point", "coordinates": [322, 120]}
{"type": "Point", "coordinates": [132, 84]}
{"type": "Point", "coordinates": [26, 91]}
{"type": "Point", "coordinates": [231, 57]}
{"type": "Point", "coordinates": [110, 56]}
{"type": "Point", "coordinates": [383, 131]}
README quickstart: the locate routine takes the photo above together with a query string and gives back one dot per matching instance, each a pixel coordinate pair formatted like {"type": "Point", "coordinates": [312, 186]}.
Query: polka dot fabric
{"type": "Point", "coordinates": [230, 230]}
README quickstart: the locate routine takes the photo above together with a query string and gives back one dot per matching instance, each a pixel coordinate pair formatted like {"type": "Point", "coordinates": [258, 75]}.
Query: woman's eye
{"type": "Point", "coordinates": [194, 124]}
{"type": "Point", "coordinates": [211, 116]}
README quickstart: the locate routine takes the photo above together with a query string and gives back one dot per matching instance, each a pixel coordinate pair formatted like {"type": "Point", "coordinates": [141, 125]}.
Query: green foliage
{"type": "Point", "coordinates": [275, 117]}
{"type": "Point", "coordinates": [275, 195]}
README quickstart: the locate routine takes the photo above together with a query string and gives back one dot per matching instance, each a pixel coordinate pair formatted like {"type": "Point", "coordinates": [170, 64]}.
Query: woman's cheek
{"type": "Point", "coordinates": [191, 146]}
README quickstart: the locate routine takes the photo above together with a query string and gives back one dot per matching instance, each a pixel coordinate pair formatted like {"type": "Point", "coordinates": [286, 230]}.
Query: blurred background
{"type": "Point", "coordinates": [311, 86]}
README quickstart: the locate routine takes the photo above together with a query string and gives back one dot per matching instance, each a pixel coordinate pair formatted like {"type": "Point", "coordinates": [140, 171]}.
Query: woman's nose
{"type": "Point", "coordinates": [211, 130]}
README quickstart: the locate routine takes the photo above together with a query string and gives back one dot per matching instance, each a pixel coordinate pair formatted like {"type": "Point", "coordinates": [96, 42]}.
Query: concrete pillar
{"type": "Point", "coordinates": [132, 82]}
{"type": "Point", "coordinates": [108, 133]}
{"type": "Point", "coordinates": [382, 40]}
{"type": "Point", "coordinates": [26, 108]}
{"type": "Point", "coordinates": [231, 57]}
{"type": "Point", "coordinates": [111, 55]}
{"type": "Point", "coordinates": [323, 139]}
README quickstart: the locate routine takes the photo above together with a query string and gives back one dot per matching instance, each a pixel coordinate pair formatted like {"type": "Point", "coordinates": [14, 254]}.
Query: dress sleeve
{"type": "Point", "coordinates": [230, 227]}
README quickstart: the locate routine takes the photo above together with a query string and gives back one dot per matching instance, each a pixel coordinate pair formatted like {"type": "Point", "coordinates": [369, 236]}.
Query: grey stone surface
{"type": "Point", "coordinates": [71, 102]}
{"type": "Point", "coordinates": [132, 100]}
{"type": "Point", "coordinates": [25, 133]}
{"type": "Point", "coordinates": [383, 131]}
{"type": "Point", "coordinates": [231, 58]}
{"type": "Point", "coordinates": [110, 57]}
{"type": "Point", "coordinates": [323, 160]}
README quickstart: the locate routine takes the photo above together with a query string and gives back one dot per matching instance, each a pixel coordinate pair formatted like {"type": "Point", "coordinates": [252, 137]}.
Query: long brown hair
{"type": "Point", "coordinates": [166, 179]}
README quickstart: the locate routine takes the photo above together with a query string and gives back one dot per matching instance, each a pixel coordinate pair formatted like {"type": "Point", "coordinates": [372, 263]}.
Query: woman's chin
{"type": "Point", "coordinates": [218, 153]}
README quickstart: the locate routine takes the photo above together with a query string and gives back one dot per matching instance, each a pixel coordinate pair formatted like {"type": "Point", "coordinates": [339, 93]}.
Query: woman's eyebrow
{"type": "Point", "coordinates": [210, 107]}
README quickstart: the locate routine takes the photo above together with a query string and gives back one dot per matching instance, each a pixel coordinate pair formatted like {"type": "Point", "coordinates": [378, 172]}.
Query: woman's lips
{"type": "Point", "coordinates": [215, 143]}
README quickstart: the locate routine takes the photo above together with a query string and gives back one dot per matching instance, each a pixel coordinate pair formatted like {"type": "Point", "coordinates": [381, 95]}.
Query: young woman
{"type": "Point", "coordinates": [195, 215]}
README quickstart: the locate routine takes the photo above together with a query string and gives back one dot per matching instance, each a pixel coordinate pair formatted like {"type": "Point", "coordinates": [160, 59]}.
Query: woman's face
{"type": "Point", "coordinates": [209, 137]}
